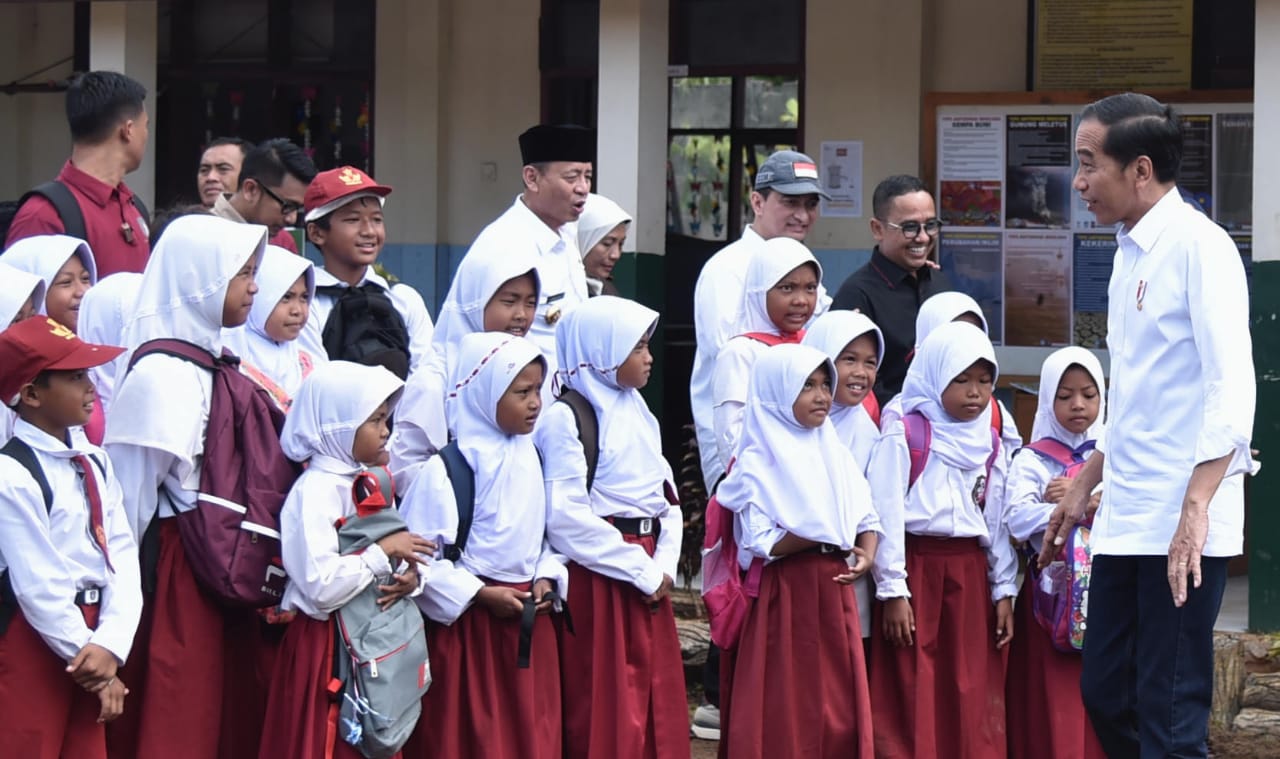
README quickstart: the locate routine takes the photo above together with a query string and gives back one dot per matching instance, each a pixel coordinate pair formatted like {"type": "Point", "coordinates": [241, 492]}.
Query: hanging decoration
{"type": "Point", "coordinates": [304, 120]}
{"type": "Point", "coordinates": [237, 99]}
{"type": "Point", "coordinates": [210, 91]}
{"type": "Point", "coordinates": [335, 130]}
{"type": "Point", "coordinates": [362, 123]}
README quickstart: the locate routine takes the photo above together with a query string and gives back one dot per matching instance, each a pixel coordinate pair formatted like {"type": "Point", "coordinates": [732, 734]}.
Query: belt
{"type": "Point", "coordinates": [89, 597]}
{"type": "Point", "coordinates": [527, 619]}
{"type": "Point", "coordinates": [638, 526]}
{"type": "Point", "coordinates": [827, 548]}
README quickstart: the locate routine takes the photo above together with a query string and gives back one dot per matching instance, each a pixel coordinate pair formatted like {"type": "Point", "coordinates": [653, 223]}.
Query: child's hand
{"type": "Point", "coordinates": [402, 585]}
{"type": "Point", "coordinates": [405, 545]}
{"type": "Point", "coordinates": [1095, 501]}
{"type": "Point", "coordinates": [664, 590]}
{"type": "Point", "coordinates": [501, 601]}
{"type": "Point", "coordinates": [899, 622]}
{"type": "Point", "coordinates": [1004, 622]}
{"type": "Point", "coordinates": [112, 698]}
{"type": "Point", "coordinates": [861, 563]}
{"type": "Point", "coordinates": [93, 667]}
{"type": "Point", "coordinates": [540, 590]}
{"type": "Point", "coordinates": [1056, 489]}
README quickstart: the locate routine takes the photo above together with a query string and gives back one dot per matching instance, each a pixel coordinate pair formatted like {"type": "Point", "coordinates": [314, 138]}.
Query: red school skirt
{"type": "Point", "coordinates": [799, 684]}
{"type": "Point", "coordinates": [480, 703]}
{"type": "Point", "coordinates": [944, 695]}
{"type": "Point", "coordinates": [1047, 719]}
{"type": "Point", "coordinates": [621, 671]}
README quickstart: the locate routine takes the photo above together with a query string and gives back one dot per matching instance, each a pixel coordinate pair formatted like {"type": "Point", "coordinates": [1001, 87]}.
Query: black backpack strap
{"type": "Point", "coordinates": [143, 210]}
{"type": "Point", "coordinates": [584, 417]}
{"type": "Point", "coordinates": [64, 203]}
{"type": "Point", "coordinates": [464, 492]}
{"type": "Point", "coordinates": [20, 452]}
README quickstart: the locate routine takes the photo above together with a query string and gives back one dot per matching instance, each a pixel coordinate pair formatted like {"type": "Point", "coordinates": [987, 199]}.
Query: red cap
{"type": "Point", "coordinates": [33, 345]}
{"type": "Point", "coordinates": [333, 188]}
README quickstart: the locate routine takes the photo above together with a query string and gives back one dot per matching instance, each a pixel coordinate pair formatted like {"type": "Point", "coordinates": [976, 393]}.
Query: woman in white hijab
{"type": "Point", "coordinates": [67, 267]}
{"type": "Point", "coordinates": [801, 508]}
{"type": "Point", "coordinates": [602, 229]}
{"type": "Point", "coordinates": [1046, 719]}
{"type": "Point", "coordinates": [103, 313]}
{"type": "Point", "coordinates": [622, 533]}
{"type": "Point", "coordinates": [480, 702]}
{"type": "Point", "coordinates": [267, 344]}
{"type": "Point", "coordinates": [198, 280]}
{"type": "Point", "coordinates": [946, 570]}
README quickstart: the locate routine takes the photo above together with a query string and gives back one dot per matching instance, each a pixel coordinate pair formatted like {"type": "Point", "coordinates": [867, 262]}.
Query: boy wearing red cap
{"type": "Point", "coordinates": [70, 595]}
{"type": "Point", "coordinates": [343, 214]}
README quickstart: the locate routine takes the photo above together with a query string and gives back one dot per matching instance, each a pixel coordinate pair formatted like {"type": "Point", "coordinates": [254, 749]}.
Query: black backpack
{"type": "Point", "coordinates": [365, 327]}
{"type": "Point", "coordinates": [64, 203]}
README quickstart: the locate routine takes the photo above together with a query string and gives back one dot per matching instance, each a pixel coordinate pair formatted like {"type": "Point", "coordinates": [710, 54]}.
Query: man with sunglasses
{"type": "Point", "coordinates": [273, 182]}
{"type": "Point", "coordinates": [900, 275]}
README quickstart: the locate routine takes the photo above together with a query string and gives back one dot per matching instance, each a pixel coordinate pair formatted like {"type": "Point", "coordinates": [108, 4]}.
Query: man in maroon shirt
{"type": "Point", "coordinates": [109, 129]}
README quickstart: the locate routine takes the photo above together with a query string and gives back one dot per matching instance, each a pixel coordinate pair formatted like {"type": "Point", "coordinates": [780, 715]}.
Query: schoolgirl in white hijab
{"type": "Point", "coordinates": [475, 600]}
{"type": "Point", "coordinates": [770, 265]}
{"type": "Point", "coordinates": [49, 257]}
{"type": "Point", "coordinates": [831, 333]}
{"type": "Point", "coordinates": [103, 313]}
{"type": "Point", "coordinates": [22, 295]}
{"type": "Point", "coordinates": [278, 366]}
{"type": "Point", "coordinates": [600, 217]}
{"type": "Point", "coordinates": [801, 505]}
{"type": "Point", "coordinates": [940, 541]}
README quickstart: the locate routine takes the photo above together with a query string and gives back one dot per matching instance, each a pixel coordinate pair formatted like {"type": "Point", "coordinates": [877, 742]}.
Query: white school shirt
{"type": "Point", "coordinates": [431, 511]}
{"type": "Point", "coordinates": [940, 504]}
{"type": "Point", "coordinates": [7, 419]}
{"type": "Point", "coordinates": [576, 525]}
{"type": "Point", "coordinates": [756, 533]}
{"type": "Point", "coordinates": [1182, 384]}
{"type": "Point", "coordinates": [51, 556]}
{"type": "Point", "coordinates": [321, 580]}
{"type": "Point", "coordinates": [1027, 512]}
{"type": "Point", "coordinates": [729, 396]}
{"type": "Point", "coordinates": [406, 300]}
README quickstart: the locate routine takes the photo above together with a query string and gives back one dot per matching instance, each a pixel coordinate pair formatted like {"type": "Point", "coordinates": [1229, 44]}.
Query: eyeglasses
{"type": "Point", "coordinates": [911, 229]}
{"type": "Point", "coordinates": [286, 206]}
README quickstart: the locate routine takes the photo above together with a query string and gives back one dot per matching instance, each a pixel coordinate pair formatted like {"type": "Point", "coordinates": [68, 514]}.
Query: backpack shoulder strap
{"type": "Point", "coordinates": [997, 418]}
{"type": "Point", "coordinates": [142, 209]}
{"type": "Point", "coordinates": [64, 203]}
{"type": "Point", "coordinates": [584, 417]}
{"type": "Point", "coordinates": [177, 348]}
{"type": "Point", "coordinates": [919, 436]}
{"type": "Point", "coordinates": [463, 480]}
{"type": "Point", "coordinates": [872, 406]}
{"type": "Point", "coordinates": [1054, 450]}
{"type": "Point", "coordinates": [19, 451]}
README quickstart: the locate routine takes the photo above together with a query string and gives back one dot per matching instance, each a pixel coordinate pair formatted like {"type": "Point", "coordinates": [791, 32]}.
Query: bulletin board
{"type": "Point", "coordinates": [1015, 234]}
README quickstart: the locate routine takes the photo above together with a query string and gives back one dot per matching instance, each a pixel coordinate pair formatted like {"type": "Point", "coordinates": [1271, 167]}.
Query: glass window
{"type": "Point", "coordinates": [771, 102]}
{"type": "Point", "coordinates": [701, 102]}
{"type": "Point", "coordinates": [697, 177]}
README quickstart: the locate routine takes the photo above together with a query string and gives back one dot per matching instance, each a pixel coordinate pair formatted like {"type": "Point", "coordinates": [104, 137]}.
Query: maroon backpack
{"type": "Point", "coordinates": [232, 536]}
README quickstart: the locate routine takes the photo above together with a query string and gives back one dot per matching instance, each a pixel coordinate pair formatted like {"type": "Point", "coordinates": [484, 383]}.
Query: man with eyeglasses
{"type": "Point", "coordinates": [900, 275]}
{"type": "Point", "coordinates": [273, 182]}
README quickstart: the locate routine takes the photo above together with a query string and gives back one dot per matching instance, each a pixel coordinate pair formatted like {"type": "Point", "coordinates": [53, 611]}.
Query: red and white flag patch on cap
{"type": "Point", "coordinates": [805, 170]}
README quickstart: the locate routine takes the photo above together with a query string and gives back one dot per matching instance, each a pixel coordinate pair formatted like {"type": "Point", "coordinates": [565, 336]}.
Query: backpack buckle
{"type": "Point", "coordinates": [89, 597]}
{"type": "Point", "coordinates": [645, 527]}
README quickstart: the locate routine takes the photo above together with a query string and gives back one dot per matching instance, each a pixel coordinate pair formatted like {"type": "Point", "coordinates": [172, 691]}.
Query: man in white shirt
{"type": "Point", "coordinates": [1176, 447]}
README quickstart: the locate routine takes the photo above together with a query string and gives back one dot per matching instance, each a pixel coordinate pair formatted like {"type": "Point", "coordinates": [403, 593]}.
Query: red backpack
{"type": "Point", "coordinates": [919, 434]}
{"type": "Point", "coordinates": [232, 536]}
{"type": "Point", "coordinates": [726, 593]}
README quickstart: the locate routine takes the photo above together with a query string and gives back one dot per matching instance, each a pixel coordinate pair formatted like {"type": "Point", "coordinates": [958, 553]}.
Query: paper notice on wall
{"type": "Point", "coordinates": [840, 174]}
{"type": "Point", "coordinates": [971, 151]}
{"type": "Point", "coordinates": [1037, 287]}
{"type": "Point", "coordinates": [971, 260]}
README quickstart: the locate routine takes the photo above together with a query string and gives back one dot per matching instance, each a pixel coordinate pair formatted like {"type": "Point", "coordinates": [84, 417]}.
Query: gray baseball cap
{"type": "Point", "coordinates": [790, 173]}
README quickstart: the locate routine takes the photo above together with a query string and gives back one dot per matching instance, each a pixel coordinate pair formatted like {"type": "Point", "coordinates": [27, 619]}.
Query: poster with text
{"type": "Point", "coordinates": [1091, 275]}
{"type": "Point", "coordinates": [1195, 176]}
{"type": "Point", "coordinates": [1037, 287]}
{"type": "Point", "coordinates": [841, 173]}
{"type": "Point", "coordinates": [1235, 171]}
{"type": "Point", "coordinates": [970, 171]}
{"type": "Point", "coordinates": [1038, 172]}
{"type": "Point", "coordinates": [972, 261]}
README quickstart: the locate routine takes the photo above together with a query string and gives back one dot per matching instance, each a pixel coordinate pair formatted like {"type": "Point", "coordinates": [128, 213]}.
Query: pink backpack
{"type": "Point", "coordinates": [919, 435]}
{"type": "Point", "coordinates": [1060, 591]}
{"type": "Point", "coordinates": [727, 594]}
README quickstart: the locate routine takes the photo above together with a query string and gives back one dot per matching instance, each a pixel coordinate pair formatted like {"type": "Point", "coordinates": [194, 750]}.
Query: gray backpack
{"type": "Point", "coordinates": [381, 655]}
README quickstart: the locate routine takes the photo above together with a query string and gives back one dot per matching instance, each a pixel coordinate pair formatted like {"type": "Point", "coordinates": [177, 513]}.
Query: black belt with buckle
{"type": "Point", "coordinates": [826, 548]}
{"type": "Point", "coordinates": [89, 597]}
{"type": "Point", "coordinates": [639, 526]}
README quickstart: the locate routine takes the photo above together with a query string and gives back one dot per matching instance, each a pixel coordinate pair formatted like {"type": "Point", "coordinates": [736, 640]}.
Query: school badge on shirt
{"type": "Point", "coordinates": [1142, 292]}
{"type": "Point", "coordinates": [980, 491]}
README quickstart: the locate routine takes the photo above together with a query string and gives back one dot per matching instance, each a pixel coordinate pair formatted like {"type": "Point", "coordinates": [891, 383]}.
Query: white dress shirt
{"type": "Point", "coordinates": [1182, 383]}
{"type": "Point", "coordinates": [51, 555]}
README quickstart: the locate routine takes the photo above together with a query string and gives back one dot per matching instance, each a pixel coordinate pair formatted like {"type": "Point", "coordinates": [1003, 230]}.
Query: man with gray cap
{"type": "Point", "coordinates": [785, 204]}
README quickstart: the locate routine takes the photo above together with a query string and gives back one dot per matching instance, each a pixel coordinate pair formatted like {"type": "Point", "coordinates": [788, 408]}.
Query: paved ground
{"type": "Point", "coordinates": [704, 749]}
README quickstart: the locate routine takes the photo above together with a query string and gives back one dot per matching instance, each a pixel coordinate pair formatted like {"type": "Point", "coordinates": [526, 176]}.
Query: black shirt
{"type": "Point", "coordinates": [891, 296]}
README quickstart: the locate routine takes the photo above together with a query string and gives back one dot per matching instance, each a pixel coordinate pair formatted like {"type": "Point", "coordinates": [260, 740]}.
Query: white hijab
{"type": "Point", "coordinates": [593, 340]}
{"type": "Point", "coordinates": [19, 287]}
{"type": "Point", "coordinates": [831, 333]}
{"type": "Point", "coordinates": [945, 353]}
{"type": "Point", "coordinates": [599, 216]}
{"type": "Point", "coordinates": [103, 313]}
{"type": "Point", "coordinates": [332, 403]}
{"type": "Point", "coordinates": [281, 362]}
{"type": "Point", "coordinates": [802, 478]}
{"type": "Point", "coordinates": [44, 255]}
{"type": "Point", "coordinates": [476, 281]}
{"type": "Point", "coordinates": [769, 264]}
{"type": "Point", "coordinates": [943, 308]}
{"type": "Point", "coordinates": [1056, 365]}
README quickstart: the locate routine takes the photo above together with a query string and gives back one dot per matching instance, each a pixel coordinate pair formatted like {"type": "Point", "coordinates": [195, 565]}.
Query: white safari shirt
{"type": "Point", "coordinates": [1182, 382]}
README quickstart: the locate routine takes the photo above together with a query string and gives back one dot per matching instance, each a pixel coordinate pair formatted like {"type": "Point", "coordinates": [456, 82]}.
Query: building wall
{"type": "Point", "coordinates": [33, 36]}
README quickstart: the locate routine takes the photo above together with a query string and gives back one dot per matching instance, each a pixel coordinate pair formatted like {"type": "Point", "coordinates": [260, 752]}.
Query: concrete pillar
{"type": "Point", "coordinates": [1264, 490]}
{"type": "Point", "coordinates": [122, 37]}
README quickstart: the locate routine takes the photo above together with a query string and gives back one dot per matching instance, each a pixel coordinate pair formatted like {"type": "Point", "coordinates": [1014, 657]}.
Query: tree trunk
{"type": "Point", "coordinates": [1262, 691]}
{"type": "Point", "coordinates": [1228, 679]}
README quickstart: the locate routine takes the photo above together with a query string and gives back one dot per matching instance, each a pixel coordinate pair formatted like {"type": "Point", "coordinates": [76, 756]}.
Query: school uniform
{"type": "Point", "coordinates": [277, 367]}
{"type": "Point", "coordinates": [771, 262]}
{"type": "Point", "coordinates": [155, 436]}
{"type": "Point", "coordinates": [951, 557]}
{"type": "Point", "coordinates": [70, 592]}
{"type": "Point", "coordinates": [320, 430]}
{"type": "Point", "coordinates": [797, 683]}
{"type": "Point", "coordinates": [621, 670]}
{"type": "Point", "coordinates": [831, 333]}
{"type": "Point", "coordinates": [1046, 718]}
{"type": "Point", "coordinates": [480, 703]}
{"type": "Point", "coordinates": [105, 209]}
{"type": "Point", "coordinates": [104, 310]}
